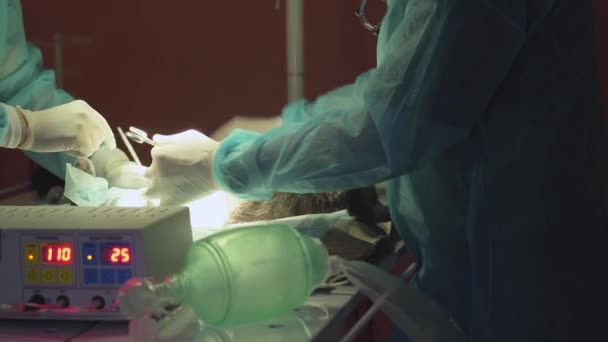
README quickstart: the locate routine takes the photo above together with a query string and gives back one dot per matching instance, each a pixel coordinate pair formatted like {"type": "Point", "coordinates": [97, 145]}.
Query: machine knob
{"type": "Point", "coordinates": [97, 303]}
{"type": "Point", "coordinates": [62, 302]}
{"type": "Point", "coordinates": [37, 299]}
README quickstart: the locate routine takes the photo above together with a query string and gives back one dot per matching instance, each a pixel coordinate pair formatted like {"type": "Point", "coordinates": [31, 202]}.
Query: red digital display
{"type": "Point", "coordinates": [57, 254]}
{"type": "Point", "coordinates": [115, 255]}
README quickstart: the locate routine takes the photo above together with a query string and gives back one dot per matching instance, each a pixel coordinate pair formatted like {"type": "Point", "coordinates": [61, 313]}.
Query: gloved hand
{"type": "Point", "coordinates": [118, 170]}
{"type": "Point", "coordinates": [182, 168]}
{"type": "Point", "coordinates": [74, 128]}
{"type": "Point", "coordinates": [127, 175]}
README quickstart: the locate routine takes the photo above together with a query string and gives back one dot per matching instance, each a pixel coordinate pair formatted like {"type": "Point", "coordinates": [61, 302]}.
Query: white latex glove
{"type": "Point", "coordinates": [74, 128]}
{"type": "Point", "coordinates": [118, 170]}
{"type": "Point", "coordinates": [182, 168]}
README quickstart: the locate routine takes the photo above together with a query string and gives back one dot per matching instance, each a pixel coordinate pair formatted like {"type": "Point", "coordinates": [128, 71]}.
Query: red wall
{"type": "Point", "coordinates": [167, 66]}
{"type": "Point", "coordinates": [601, 22]}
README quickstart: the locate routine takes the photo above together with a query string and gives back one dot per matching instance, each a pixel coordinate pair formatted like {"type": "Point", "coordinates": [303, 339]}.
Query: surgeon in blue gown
{"type": "Point", "coordinates": [45, 121]}
{"type": "Point", "coordinates": [483, 117]}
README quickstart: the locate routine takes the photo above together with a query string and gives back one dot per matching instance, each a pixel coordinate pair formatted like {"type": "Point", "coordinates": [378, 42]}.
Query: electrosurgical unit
{"type": "Point", "coordinates": [67, 262]}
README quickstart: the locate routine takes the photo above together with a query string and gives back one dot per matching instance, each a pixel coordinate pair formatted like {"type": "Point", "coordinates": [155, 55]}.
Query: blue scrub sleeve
{"type": "Point", "coordinates": [3, 122]}
{"type": "Point", "coordinates": [40, 92]}
{"type": "Point", "coordinates": [429, 90]}
{"type": "Point", "coordinates": [343, 100]}
{"type": "Point", "coordinates": [5, 139]}
{"type": "Point", "coordinates": [23, 80]}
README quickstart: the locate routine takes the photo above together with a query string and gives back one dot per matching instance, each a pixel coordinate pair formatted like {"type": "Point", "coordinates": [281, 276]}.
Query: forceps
{"type": "Point", "coordinates": [139, 136]}
{"type": "Point", "coordinates": [136, 135]}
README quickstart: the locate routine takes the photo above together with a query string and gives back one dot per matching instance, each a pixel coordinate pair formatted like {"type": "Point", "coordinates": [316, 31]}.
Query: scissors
{"type": "Point", "coordinates": [139, 136]}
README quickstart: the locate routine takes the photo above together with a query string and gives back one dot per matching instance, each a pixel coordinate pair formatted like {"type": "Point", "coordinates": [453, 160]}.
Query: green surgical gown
{"type": "Point", "coordinates": [483, 118]}
{"type": "Point", "coordinates": [24, 82]}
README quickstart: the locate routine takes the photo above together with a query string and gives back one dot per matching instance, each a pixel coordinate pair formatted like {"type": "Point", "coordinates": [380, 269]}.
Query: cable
{"type": "Point", "coordinates": [362, 323]}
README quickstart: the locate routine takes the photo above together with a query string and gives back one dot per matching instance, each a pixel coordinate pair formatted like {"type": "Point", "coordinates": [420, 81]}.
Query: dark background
{"type": "Point", "coordinates": [167, 66]}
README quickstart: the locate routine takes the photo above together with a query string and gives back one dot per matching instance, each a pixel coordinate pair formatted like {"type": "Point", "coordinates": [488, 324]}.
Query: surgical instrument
{"type": "Point", "coordinates": [139, 136]}
{"type": "Point", "coordinates": [129, 146]}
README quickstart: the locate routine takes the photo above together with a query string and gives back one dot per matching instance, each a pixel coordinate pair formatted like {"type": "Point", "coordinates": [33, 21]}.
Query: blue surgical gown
{"type": "Point", "coordinates": [23, 80]}
{"type": "Point", "coordinates": [483, 118]}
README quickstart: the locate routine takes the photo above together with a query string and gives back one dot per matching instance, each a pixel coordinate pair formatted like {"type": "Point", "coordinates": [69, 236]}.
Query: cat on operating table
{"type": "Point", "coordinates": [363, 203]}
